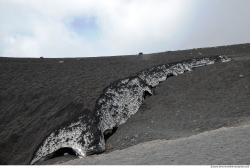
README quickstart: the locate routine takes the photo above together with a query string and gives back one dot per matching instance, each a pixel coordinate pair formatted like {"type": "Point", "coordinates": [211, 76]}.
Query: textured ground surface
{"type": "Point", "coordinates": [207, 98]}
{"type": "Point", "coordinates": [226, 146]}
{"type": "Point", "coordinates": [37, 96]}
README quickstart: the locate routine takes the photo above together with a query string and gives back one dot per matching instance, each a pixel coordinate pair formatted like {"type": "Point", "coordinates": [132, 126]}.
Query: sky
{"type": "Point", "coordinates": [91, 28]}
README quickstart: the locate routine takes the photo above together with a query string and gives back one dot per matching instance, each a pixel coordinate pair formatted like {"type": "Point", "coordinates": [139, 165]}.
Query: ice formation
{"type": "Point", "coordinates": [81, 136]}
{"type": "Point", "coordinates": [119, 101]}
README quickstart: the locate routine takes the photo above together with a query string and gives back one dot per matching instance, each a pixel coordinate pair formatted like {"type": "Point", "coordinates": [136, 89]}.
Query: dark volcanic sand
{"type": "Point", "coordinates": [207, 98]}
{"type": "Point", "coordinates": [224, 146]}
{"type": "Point", "coordinates": [40, 95]}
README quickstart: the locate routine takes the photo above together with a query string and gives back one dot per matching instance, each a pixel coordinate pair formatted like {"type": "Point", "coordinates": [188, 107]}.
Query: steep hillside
{"type": "Point", "coordinates": [38, 96]}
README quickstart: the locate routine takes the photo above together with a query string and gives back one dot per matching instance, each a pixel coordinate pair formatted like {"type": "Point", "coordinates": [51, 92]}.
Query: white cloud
{"type": "Point", "coordinates": [34, 28]}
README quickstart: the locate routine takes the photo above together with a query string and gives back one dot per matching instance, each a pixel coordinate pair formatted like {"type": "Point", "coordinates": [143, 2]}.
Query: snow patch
{"type": "Point", "coordinates": [119, 101]}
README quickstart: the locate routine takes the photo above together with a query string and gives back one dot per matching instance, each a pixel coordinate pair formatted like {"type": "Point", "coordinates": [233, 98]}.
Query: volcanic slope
{"type": "Point", "coordinates": [38, 96]}
{"type": "Point", "coordinates": [224, 146]}
{"type": "Point", "coordinates": [205, 99]}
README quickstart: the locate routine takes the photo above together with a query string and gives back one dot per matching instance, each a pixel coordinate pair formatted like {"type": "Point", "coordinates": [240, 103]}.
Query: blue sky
{"type": "Point", "coordinates": [84, 28]}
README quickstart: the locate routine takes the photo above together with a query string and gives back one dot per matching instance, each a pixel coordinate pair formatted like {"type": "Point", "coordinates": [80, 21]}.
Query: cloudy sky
{"type": "Point", "coordinates": [81, 28]}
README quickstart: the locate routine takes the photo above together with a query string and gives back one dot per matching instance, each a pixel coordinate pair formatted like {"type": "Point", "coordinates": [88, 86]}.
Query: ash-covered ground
{"type": "Point", "coordinates": [38, 96]}
{"type": "Point", "coordinates": [224, 146]}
